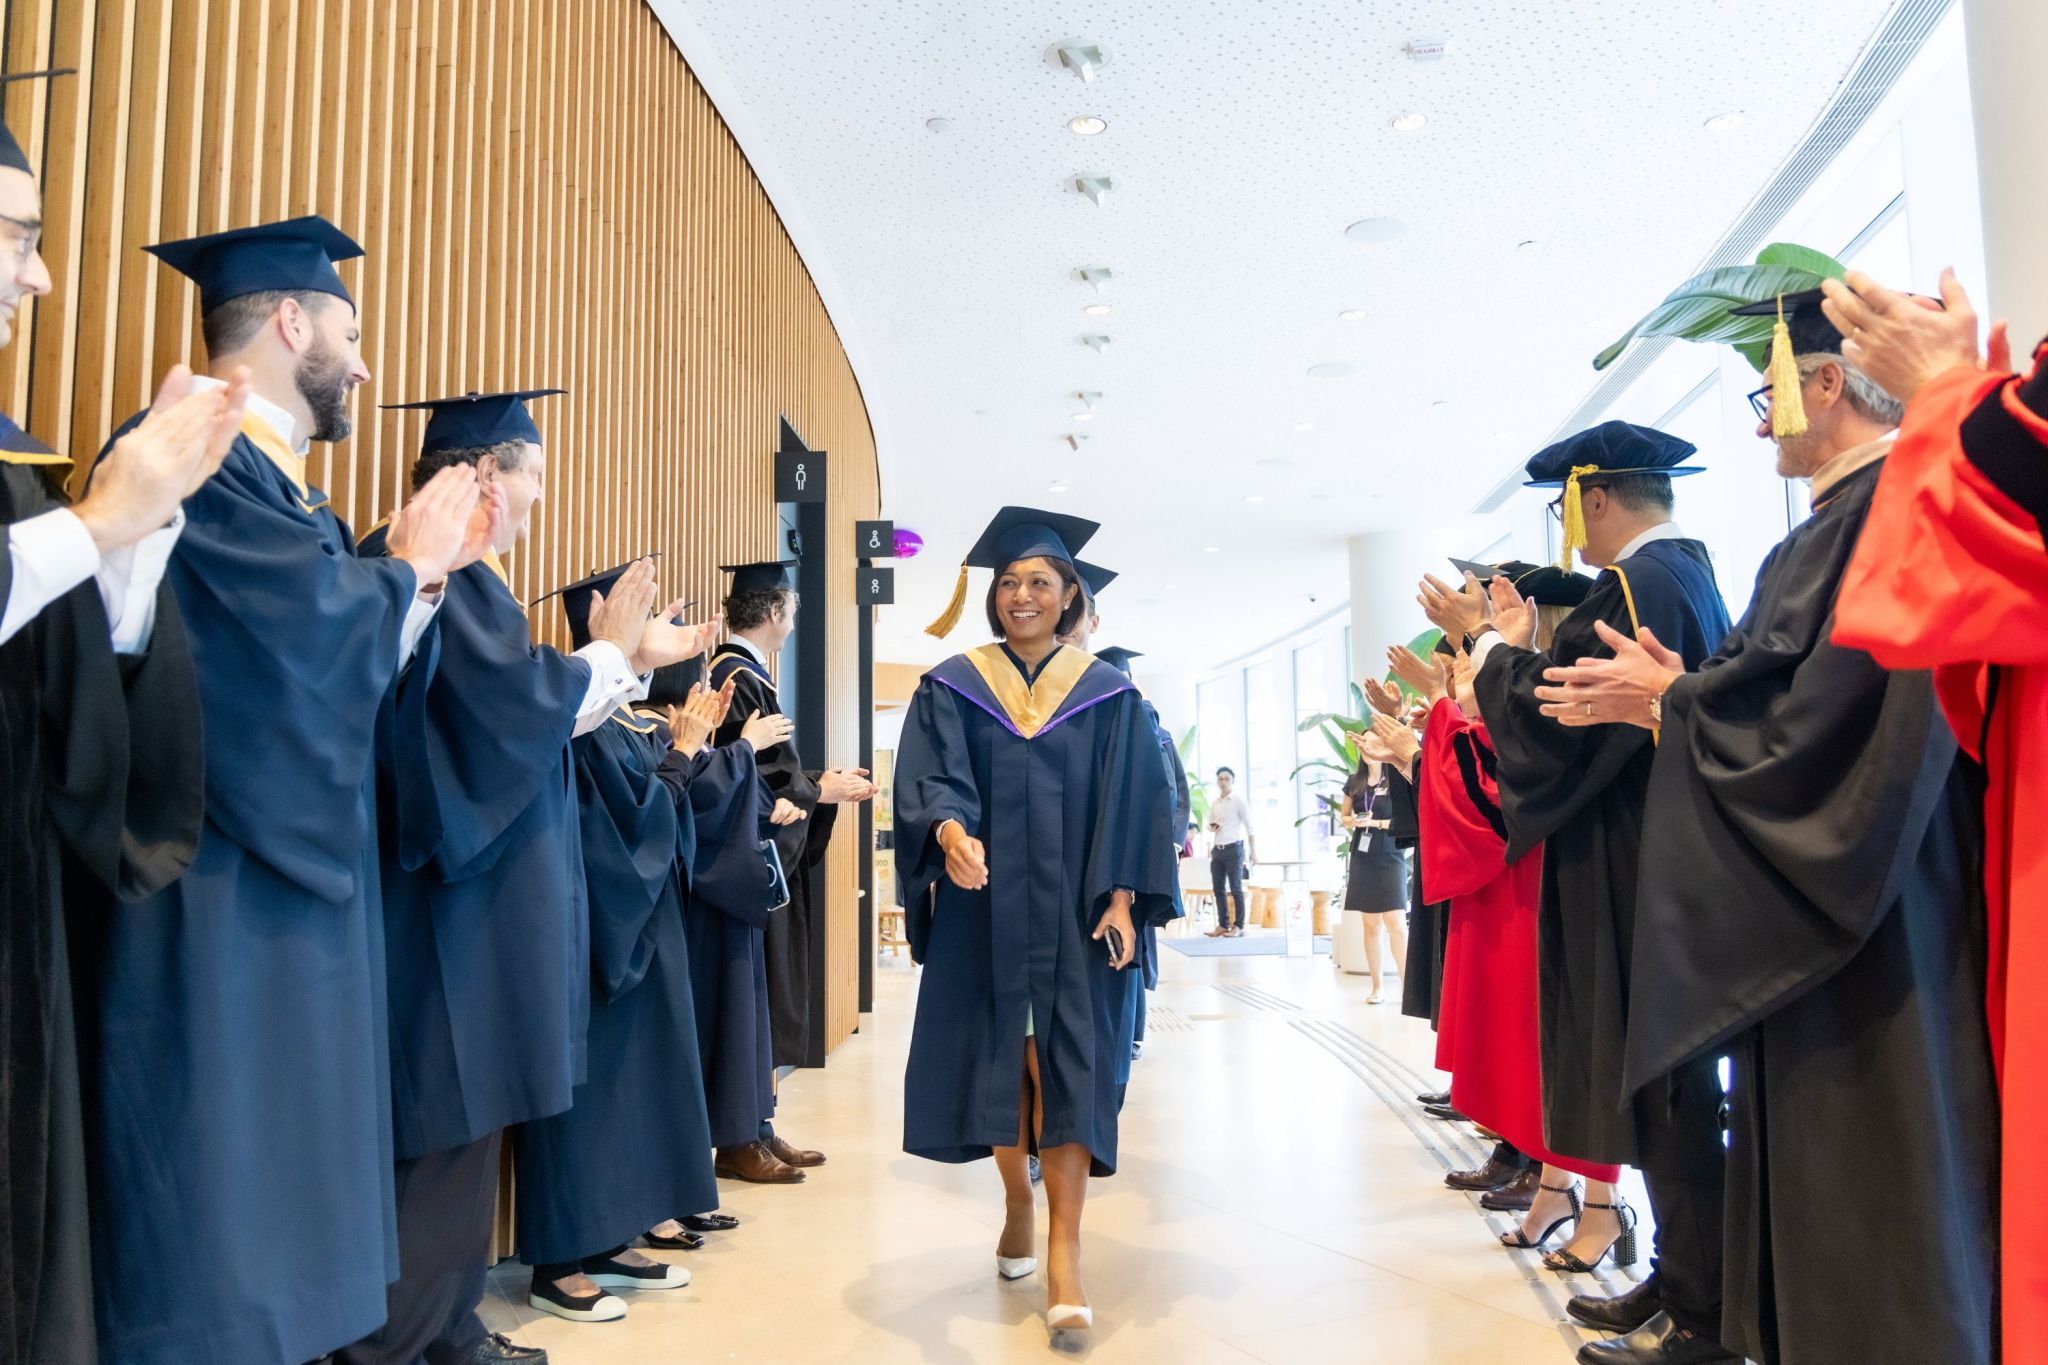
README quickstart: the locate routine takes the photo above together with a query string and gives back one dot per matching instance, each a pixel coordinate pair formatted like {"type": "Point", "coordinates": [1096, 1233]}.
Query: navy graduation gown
{"type": "Point", "coordinates": [486, 931]}
{"type": "Point", "coordinates": [635, 1147]}
{"type": "Point", "coordinates": [100, 759]}
{"type": "Point", "coordinates": [1578, 794]}
{"type": "Point", "coordinates": [801, 846]}
{"type": "Point", "coordinates": [1063, 783]}
{"type": "Point", "coordinates": [238, 1086]}
{"type": "Point", "coordinates": [725, 915]}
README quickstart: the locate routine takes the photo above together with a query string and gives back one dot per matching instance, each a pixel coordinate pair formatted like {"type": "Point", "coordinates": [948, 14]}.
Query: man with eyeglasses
{"type": "Point", "coordinates": [1810, 907]}
{"type": "Point", "coordinates": [1578, 795]}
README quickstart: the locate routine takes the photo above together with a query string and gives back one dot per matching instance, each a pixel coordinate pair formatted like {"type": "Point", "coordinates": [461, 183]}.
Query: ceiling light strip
{"type": "Point", "coordinates": [1875, 73]}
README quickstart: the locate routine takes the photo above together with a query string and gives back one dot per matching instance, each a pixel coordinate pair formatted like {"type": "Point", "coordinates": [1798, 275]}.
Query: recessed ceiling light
{"type": "Point", "coordinates": [1097, 310]}
{"type": "Point", "coordinates": [1059, 486]}
{"type": "Point", "coordinates": [1087, 125]}
{"type": "Point", "coordinates": [1725, 123]}
{"type": "Point", "coordinates": [1254, 497]}
{"type": "Point", "coordinates": [1352, 315]}
{"type": "Point", "coordinates": [1332, 369]}
{"type": "Point", "coordinates": [1304, 426]}
{"type": "Point", "coordinates": [939, 125]}
{"type": "Point", "coordinates": [1274, 462]}
{"type": "Point", "coordinates": [1212, 549]}
{"type": "Point", "coordinates": [1376, 230]}
{"type": "Point", "coordinates": [1409, 122]}
{"type": "Point", "coordinates": [1084, 417]}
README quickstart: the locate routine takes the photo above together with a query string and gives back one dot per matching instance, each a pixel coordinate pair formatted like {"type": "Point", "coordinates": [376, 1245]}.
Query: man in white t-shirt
{"type": "Point", "coordinates": [1232, 851]}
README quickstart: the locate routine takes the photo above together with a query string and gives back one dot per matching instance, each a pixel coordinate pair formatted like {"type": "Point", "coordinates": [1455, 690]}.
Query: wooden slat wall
{"type": "Point", "coordinates": [547, 197]}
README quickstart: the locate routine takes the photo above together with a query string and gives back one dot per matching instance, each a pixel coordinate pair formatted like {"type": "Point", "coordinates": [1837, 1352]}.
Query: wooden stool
{"type": "Point", "coordinates": [891, 931]}
{"type": "Point", "coordinates": [1266, 907]}
{"type": "Point", "coordinates": [1319, 912]}
{"type": "Point", "coordinates": [1197, 901]}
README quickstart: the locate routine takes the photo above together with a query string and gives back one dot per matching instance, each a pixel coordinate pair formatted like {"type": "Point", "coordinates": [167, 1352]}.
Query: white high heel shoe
{"type": "Point", "coordinates": [1015, 1267]}
{"type": "Point", "coordinates": [1069, 1317]}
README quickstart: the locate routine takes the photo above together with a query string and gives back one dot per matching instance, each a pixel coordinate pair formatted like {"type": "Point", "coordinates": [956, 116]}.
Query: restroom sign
{"type": "Point", "coordinates": [800, 476]}
{"type": "Point", "coordinates": [874, 587]}
{"type": "Point", "coordinates": [874, 539]}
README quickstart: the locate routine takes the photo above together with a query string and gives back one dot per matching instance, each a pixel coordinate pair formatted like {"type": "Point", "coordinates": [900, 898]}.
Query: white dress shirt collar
{"type": "Point", "coordinates": [1667, 530]}
{"type": "Point", "coordinates": [742, 642]}
{"type": "Point", "coordinates": [280, 421]}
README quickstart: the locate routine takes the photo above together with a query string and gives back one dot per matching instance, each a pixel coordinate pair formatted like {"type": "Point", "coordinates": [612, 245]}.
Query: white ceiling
{"type": "Point", "coordinates": [1564, 181]}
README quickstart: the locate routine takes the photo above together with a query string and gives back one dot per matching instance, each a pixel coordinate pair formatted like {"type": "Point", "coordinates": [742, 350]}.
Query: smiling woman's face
{"type": "Point", "coordinates": [1029, 600]}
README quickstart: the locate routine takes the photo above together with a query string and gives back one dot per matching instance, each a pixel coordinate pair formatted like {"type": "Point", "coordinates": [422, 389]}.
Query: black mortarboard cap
{"type": "Point", "coordinates": [1610, 448]}
{"type": "Point", "coordinates": [11, 154]}
{"type": "Point", "coordinates": [298, 254]}
{"type": "Point", "coordinates": [1015, 533]}
{"type": "Point", "coordinates": [1547, 585]}
{"type": "Point", "coordinates": [1811, 332]}
{"type": "Point", "coordinates": [476, 420]}
{"type": "Point", "coordinates": [670, 684]}
{"type": "Point", "coordinates": [576, 598]}
{"type": "Point", "coordinates": [1119, 658]}
{"type": "Point", "coordinates": [1094, 577]}
{"type": "Point", "coordinates": [770, 575]}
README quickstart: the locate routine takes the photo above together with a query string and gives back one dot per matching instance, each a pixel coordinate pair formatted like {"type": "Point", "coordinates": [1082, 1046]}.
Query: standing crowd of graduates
{"type": "Point", "coordinates": [1746, 906]}
{"type": "Point", "coordinates": [323, 879]}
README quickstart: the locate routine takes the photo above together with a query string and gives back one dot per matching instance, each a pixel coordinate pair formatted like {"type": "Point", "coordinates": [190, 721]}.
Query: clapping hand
{"type": "Point", "coordinates": [1382, 697]}
{"type": "Point", "coordinates": [1457, 612]}
{"type": "Point", "coordinates": [839, 786]}
{"type": "Point", "coordinates": [1396, 742]}
{"type": "Point", "coordinates": [486, 526]}
{"type": "Point", "coordinates": [620, 616]}
{"type": "Point", "coordinates": [1514, 616]}
{"type": "Point", "coordinates": [1616, 691]}
{"type": "Point", "coordinates": [691, 724]}
{"type": "Point", "coordinates": [1421, 675]}
{"type": "Point", "coordinates": [786, 812]}
{"type": "Point", "coordinates": [662, 642]}
{"type": "Point", "coordinates": [163, 460]}
{"type": "Point", "coordinates": [766, 730]}
{"type": "Point", "coordinates": [431, 532]}
{"type": "Point", "coordinates": [1901, 340]}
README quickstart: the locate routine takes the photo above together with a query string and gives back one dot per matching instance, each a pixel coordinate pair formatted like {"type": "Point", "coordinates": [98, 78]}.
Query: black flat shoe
{"type": "Point", "coordinates": [710, 1222]}
{"type": "Point", "coordinates": [1621, 1314]}
{"type": "Point", "coordinates": [1660, 1341]}
{"type": "Point", "coordinates": [1503, 1166]}
{"type": "Point", "coordinates": [682, 1241]}
{"type": "Point", "coordinates": [497, 1347]}
{"type": "Point", "coordinates": [550, 1297]}
{"type": "Point", "coordinates": [1434, 1097]}
{"type": "Point", "coordinates": [1444, 1112]}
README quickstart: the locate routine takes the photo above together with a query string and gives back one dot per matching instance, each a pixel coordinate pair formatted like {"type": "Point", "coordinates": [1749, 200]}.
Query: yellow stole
{"type": "Point", "coordinates": [288, 461]}
{"type": "Point", "coordinates": [1029, 706]}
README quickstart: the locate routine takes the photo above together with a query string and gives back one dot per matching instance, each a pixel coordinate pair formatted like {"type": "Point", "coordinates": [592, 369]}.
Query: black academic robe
{"type": "Point", "coordinates": [1062, 782]}
{"type": "Point", "coordinates": [801, 847]}
{"type": "Point", "coordinates": [1183, 805]}
{"type": "Point", "coordinates": [1422, 974]}
{"type": "Point", "coordinates": [239, 1100]}
{"type": "Point", "coordinates": [486, 930]}
{"type": "Point", "coordinates": [1809, 901]}
{"type": "Point", "coordinates": [1578, 794]}
{"type": "Point", "coordinates": [635, 1147]}
{"type": "Point", "coordinates": [102, 769]}
{"type": "Point", "coordinates": [725, 917]}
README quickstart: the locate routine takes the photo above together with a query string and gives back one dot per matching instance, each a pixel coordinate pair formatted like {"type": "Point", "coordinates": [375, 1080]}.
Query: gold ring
{"type": "Point", "coordinates": [1589, 708]}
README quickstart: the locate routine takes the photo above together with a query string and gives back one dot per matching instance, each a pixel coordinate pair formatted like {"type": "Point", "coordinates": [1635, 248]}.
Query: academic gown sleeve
{"type": "Point", "coordinates": [724, 789]}
{"type": "Point", "coordinates": [934, 784]}
{"type": "Point", "coordinates": [1463, 837]}
{"type": "Point", "coordinates": [780, 767]}
{"type": "Point", "coordinates": [1130, 848]}
{"type": "Point", "coordinates": [1790, 795]}
{"type": "Point", "coordinates": [631, 844]}
{"type": "Point", "coordinates": [306, 637]}
{"type": "Point", "coordinates": [1950, 569]}
{"type": "Point", "coordinates": [1549, 772]}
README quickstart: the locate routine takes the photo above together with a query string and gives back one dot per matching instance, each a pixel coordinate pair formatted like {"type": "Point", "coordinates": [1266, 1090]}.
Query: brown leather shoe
{"type": "Point", "coordinates": [793, 1156]}
{"type": "Point", "coordinates": [755, 1164]}
{"type": "Point", "coordinates": [1516, 1195]}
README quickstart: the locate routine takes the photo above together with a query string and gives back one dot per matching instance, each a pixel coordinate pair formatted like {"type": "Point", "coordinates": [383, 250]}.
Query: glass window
{"type": "Point", "coordinates": [1219, 738]}
{"type": "Point", "coordinates": [1269, 756]}
{"type": "Point", "coordinates": [1312, 695]}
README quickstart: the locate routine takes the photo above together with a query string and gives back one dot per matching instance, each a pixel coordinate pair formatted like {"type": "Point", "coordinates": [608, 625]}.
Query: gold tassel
{"type": "Point", "coordinates": [1574, 514]}
{"type": "Point", "coordinates": [950, 617]}
{"type": "Point", "coordinates": [1788, 404]}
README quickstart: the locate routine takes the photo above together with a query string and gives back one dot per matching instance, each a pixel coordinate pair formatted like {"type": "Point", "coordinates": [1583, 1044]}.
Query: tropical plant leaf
{"type": "Point", "coordinates": [1360, 708]}
{"type": "Point", "coordinates": [1698, 310]}
{"type": "Point", "coordinates": [1323, 763]}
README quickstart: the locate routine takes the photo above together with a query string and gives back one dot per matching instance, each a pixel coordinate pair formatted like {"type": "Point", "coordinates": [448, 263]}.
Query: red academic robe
{"type": "Point", "coordinates": [1486, 1037]}
{"type": "Point", "coordinates": [1950, 575]}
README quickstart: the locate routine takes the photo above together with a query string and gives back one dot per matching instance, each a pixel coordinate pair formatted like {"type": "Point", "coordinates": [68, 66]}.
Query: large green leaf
{"type": "Point", "coordinates": [1698, 310]}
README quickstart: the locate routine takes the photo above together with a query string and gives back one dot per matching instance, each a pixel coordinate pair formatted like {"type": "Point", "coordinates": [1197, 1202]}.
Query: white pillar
{"type": "Point", "coordinates": [2008, 47]}
{"type": "Point", "coordinates": [1385, 567]}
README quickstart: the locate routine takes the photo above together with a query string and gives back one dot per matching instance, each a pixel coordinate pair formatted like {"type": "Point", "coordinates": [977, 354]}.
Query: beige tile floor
{"type": "Point", "coordinates": [1280, 1200]}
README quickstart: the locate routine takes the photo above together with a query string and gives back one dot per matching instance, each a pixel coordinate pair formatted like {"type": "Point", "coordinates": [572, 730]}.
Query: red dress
{"type": "Point", "coordinates": [1487, 1036]}
{"type": "Point", "coordinates": [1952, 574]}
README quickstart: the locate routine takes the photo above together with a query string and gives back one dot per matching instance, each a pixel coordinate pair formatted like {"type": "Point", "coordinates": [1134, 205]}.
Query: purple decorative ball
{"type": "Point", "coordinates": [908, 543]}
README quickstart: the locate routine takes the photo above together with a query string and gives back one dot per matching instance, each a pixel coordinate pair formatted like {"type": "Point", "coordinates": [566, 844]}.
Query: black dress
{"type": "Point", "coordinates": [1378, 879]}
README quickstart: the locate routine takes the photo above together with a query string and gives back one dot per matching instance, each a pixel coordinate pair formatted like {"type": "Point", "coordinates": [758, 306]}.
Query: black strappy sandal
{"type": "Point", "coordinates": [1623, 1248]}
{"type": "Point", "coordinates": [1517, 1240]}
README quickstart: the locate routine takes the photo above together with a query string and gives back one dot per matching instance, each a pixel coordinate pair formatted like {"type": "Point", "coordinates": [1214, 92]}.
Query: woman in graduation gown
{"type": "Point", "coordinates": [1488, 1037]}
{"type": "Point", "coordinates": [1033, 839]}
{"type": "Point", "coordinates": [635, 1146]}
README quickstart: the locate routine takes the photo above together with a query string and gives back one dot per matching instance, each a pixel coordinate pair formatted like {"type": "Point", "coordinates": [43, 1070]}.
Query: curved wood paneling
{"type": "Point", "coordinates": [547, 197]}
